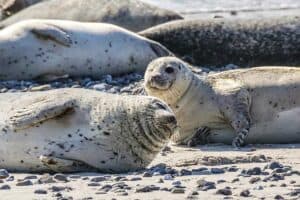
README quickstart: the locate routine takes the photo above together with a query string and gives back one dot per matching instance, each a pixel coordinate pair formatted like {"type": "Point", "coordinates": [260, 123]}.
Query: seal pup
{"type": "Point", "coordinates": [77, 129]}
{"type": "Point", "coordinates": [130, 14]}
{"type": "Point", "coordinates": [243, 42]}
{"type": "Point", "coordinates": [9, 7]}
{"type": "Point", "coordinates": [39, 48]}
{"type": "Point", "coordinates": [257, 105]}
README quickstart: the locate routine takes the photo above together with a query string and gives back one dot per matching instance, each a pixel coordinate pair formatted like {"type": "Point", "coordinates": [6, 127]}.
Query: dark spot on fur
{"type": "Point", "coordinates": [106, 133]}
{"type": "Point", "coordinates": [69, 135]}
{"type": "Point", "coordinates": [21, 161]}
{"type": "Point", "coordinates": [275, 105]}
{"type": "Point", "coordinates": [103, 162]}
{"type": "Point", "coordinates": [92, 129]}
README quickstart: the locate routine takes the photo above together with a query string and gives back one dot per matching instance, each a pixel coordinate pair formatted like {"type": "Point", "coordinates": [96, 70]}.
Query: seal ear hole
{"type": "Point", "coordinates": [169, 70]}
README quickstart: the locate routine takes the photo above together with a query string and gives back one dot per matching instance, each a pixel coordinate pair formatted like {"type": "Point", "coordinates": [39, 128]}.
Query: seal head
{"type": "Point", "coordinates": [167, 77]}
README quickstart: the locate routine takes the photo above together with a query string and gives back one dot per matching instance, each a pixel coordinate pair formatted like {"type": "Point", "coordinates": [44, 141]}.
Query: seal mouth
{"type": "Point", "coordinates": [159, 83]}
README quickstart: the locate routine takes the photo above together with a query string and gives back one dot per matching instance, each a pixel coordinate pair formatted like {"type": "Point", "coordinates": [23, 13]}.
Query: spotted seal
{"type": "Point", "coordinates": [244, 42]}
{"type": "Point", "coordinates": [42, 48]}
{"type": "Point", "coordinates": [256, 105]}
{"type": "Point", "coordinates": [77, 130]}
{"type": "Point", "coordinates": [134, 15]}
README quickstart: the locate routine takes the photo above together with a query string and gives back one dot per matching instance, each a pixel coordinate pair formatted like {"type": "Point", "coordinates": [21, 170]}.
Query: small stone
{"type": "Point", "coordinates": [148, 188]}
{"type": "Point", "coordinates": [259, 187]}
{"type": "Point", "coordinates": [100, 179]}
{"type": "Point", "coordinates": [185, 172]}
{"type": "Point", "coordinates": [245, 193]}
{"type": "Point", "coordinates": [5, 187]}
{"type": "Point", "coordinates": [168, 177]}
{"type": "Point", "coordinates": [221, 181]}
{"type": "Point", "coordinates": [40, 191]}
{"type": "Point", "coordinates": [160, 180]}
{"type": "Point", "coordinates": [3, 173]}
{"type": "Point", "coordinates": [60, 188]}
{"type": "Point", "coordinates": [75, 176]}
{"type": "Point", "coordinates": [254, 171]}
{"type": "Point", "coordinates": [254, 180]}
{"type": "Point", "coordinates": [283, 185]}
{"type": "Point", "coordinates": [11, 178]}
{"type": "Point", "coordinates": [225, 191]}
{"type": "Point", "coordinates": [232, 169]}
{"type": "Point", "coordinates": [278, 197]}
{"type": "Point", "coordinates": [205, 185]}
{"type": "Point", "coordinates": [292, 182]}
{"type": "Point", "coordinates": [46, 178]}
{"type": "Point", "coordinates": [235, 180]}
{"type": "Point", "coordinates": [176, 190]}
{"type": "Point", "coordinates": [147, 174]}
{"type": "Point", "coordinates": [61, 177]}
{"type": "Point", "coordinates": [41, 88]}
{"type": "Point", "coordinates": [100, 87]}
{"type": "Point", "coordinates": [176, 183]}
{"type": "Point", "coordinates": [217, 171]}
{"type": "Point", "coordinates": [93, 184]}
{"type": "Point", "coordinates": [30, 177]}
{"type": "Point", "coordinates": [295, 192]}
{"type": "Point", "coordinates": [135, 179]}
{"type": "Point", "coordinates": [24, 183]}
{"type": "Point", "coordinates": [274, 165]}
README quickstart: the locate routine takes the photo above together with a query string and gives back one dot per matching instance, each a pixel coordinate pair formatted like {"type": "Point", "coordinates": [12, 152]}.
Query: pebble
{"type": "Point", "coordinates": [101, 178]}
{"type": "Point", "coordinates": [148, 188]}
{"type": "Point", "coordinates": [24, 183]}
{"type": "Point", "coordinates": [46, 178]}
{"type": "Point", "coordinates": [40, 191]}
{"type": "Point", "coordinates": [235, 180]}
{"type": "Point", "coordinates": [5, 187]}
{"type": "Point", "coordinates": [205, 185]}
{"type": "Point", "coordinates": [185, 172]}
{"type": "Point", "coordinates": [60, 188]}
{"type": "Point", "coordinates": [253, 171]}
{"type": "Point", "coordinates": [176, 183]}
{"type": "Point", "coordinates": [30, 177]}
{"type": "Point", "coordinates": [11, 178]}
{"type": "Point", "coordinates": [176, 190]}
{"type": "Point", "coordinates": [295, 192]}
{"type": "Point", "coordinates": [41, 88]}
{"type": "Point", "coordinates": [61, 177]}
{"type": "Point", "coordinates": [217, 171]}
{"type": "Point", "coordinates": [168, 177]}
{"type": "Point", "coordinates": [278, 197]}
{"type": "Point", "coordinates": [160, 180]}
{"type": "Point", "coordinates": [135, 179]}
{"type": "Point", "coordinates": [245, 193]}
{"type": "Point", "coordinates": [3, 174]}
{"type": "Point", "coordinates": [274, 165]}
{"type": "Point", "coordinates": [93, 184]}
{"type": "Point", "coordinates": [259, 187]}
{"type": "Point", "coordinates": [221, 181]}
{"type": "Point", "coordinates": [147, 174]}
{"type": "Point", "coordinates": [254, 180]}
{"type": "Point", "coordinates": [75, 176]}
{"type": "Point", "coordinates": [225, 191]}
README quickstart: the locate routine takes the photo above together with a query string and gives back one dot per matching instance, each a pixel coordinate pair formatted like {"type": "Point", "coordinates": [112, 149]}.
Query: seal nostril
{"type": "Point", "coordinates": [169, 70]}
{"type": "Point", "coordinates": [172, 119]}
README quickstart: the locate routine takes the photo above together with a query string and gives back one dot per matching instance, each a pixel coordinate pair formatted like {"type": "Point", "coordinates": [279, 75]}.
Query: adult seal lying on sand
{"type": "Point", "coordinates": [38, 48]}
{"type": "Point", "coordinates": [76, 129]}
{"type": "Point", "coordinates": [245, 42]}
{"type": "Point", "coordinates": [258, 105]}
{"type": "Point", "coordinates": [9, 7]}
{"type": "Point", "coordinates": [130, 14]}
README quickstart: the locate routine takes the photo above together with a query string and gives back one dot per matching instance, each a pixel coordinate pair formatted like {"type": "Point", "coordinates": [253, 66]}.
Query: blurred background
{"type": "Point", "coordinates": [230, 8]}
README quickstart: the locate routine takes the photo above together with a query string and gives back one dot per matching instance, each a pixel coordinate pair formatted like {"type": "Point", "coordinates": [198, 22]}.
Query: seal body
{"type": "Point", "coordinates": [257, 105]}
{"type": "Point", "coordinates": [76, 129]}
{"type": "Point", "coordinates": [244, 42]}
{"type": "Point", "coordinates": [37, 48]}
{"type": "Point", "coordinates": [130, 14]}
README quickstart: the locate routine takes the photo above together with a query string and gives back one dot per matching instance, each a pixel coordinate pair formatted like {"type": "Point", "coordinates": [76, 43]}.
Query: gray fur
{"type": "Point", "coordinates": [71, 130]}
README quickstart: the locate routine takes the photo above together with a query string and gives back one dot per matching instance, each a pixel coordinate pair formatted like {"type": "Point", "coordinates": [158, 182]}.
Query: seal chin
{"type": "Point", "coordinates": [159, 83]}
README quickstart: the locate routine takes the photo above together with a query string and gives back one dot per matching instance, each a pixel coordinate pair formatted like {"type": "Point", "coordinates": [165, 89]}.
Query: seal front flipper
{"type": "Point", "coordinates": [39, 110]}
{"type": "Point", "coordinates": [50, 32]}
{"type": "Point", "coordinates": [200, 137]}
{"type": "Point", "coordinates": [64, 165]}
{"type": "Point", "coordinates": [235, 105]}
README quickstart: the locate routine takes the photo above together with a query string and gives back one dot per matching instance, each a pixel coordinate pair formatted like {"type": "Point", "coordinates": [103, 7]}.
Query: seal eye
{"type": "Point", "coordinates": [169, 70]}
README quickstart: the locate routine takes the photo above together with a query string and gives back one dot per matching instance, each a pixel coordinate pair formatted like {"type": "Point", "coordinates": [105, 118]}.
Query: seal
{"type": "Point", "coordinates": [256, 105]}
{"type": "Point", "coordinates": [9, 7]}
{"type": "Point", "coordinates": [243, 42]}
{"type": "Point", "coordinates": [72, 129]}
{"type": "Point", "coordinates": [130, 14]}
{"type": "Point", "coordinates": [39, 48]}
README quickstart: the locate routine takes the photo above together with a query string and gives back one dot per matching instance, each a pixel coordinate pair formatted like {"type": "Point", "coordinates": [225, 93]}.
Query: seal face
{"type": "Point", "coordinates": [133, 15]}
{"type": "Point", "coordinates": [71, 130]}
{"type": "Point", "coordinates": [251, 105]}
{"type": "Point", "coordinates": [40, 48]}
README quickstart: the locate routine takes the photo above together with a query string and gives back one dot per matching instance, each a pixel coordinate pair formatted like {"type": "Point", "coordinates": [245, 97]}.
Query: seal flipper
{"type": "Point", "coordinates": [39, 111]}
{"type": "Point", "coordinates": [200, 137]}
{"type": "Point", "coordinates": [235, 103]}
{"type": "Point", "coordinates": [51, 32]}
{"type": "Point", "coordinates": [65, 165]}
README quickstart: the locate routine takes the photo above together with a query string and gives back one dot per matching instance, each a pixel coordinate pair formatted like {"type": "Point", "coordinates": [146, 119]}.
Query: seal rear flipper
{"type": "Point", "coordinates": [65, 165]}
{"type": "Point", "coordinates": [39, 111]}
{"type": "Point", "coordinates": [45, 31]}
